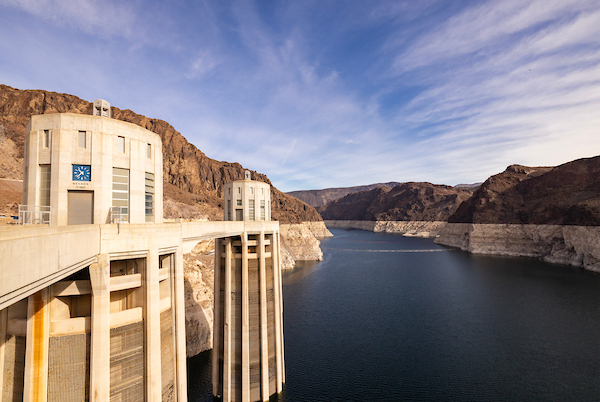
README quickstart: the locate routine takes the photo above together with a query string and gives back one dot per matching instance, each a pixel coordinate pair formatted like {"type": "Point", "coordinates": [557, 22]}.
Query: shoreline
{"type": "Point", "coordinates": [576, 246]}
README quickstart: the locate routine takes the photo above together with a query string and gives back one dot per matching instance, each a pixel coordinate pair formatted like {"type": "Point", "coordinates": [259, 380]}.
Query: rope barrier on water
{"type": "Point", "coordinates": [386, 251]}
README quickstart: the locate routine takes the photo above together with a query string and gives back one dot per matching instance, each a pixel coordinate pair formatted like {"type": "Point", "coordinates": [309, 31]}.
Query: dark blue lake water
{"type": "Point", "coordinates": [386, 317]}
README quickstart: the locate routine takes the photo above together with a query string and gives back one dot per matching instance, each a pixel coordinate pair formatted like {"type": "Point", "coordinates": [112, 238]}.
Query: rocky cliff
{"type": "Point", "coordinates": [428, 229]}
{"type": "Point", "coordinates": [300, 243]}
{"type": "Point", "coordinates": [317, 198]}
{"type": "Point", "coordinates": [405, 202]}
{"type": "Point", "coordinates": [578, 246]}
{"type": "Point", "coordinates": [548, 213]}
{"type": "Point", "coordinates": [568, 194]}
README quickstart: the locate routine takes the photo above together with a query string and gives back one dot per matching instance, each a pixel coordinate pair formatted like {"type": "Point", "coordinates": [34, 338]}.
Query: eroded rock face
{"type": "Point", "coordinates": [318, 198]}
{"type": "Point", "coordinates": [318, 229]}
{"type": "Point", "coordinates": [405, 202]}
{"type": "Point", "coordinates": [407, 228]}
{"type": "Point", "coordinates": [568, 194]}
{"type": "Point", "coordinates": [198, 272]}
{"type": "Point", "coordinates": [300, 243]}
{"type": "Point", "coordinates": [578, 246]}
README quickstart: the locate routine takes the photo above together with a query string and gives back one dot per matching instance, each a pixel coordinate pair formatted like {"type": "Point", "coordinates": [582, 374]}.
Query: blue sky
{"type": "Point", "coordinates": [318, 94]}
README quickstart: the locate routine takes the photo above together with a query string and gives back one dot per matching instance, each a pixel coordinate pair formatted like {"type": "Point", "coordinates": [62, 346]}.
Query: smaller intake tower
{"type": "Point", "coordinates": [248, 362]}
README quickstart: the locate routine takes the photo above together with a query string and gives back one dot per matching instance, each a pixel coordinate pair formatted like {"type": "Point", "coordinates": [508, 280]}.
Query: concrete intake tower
{"type": "Point", "coordinates": [247, 357]}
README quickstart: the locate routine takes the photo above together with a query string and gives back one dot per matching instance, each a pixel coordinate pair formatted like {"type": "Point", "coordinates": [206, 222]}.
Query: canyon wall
{"type": "Point", "coordinates": [300, 243]}
{"type": "Point", "coordinates": [319, 198]}
{"type": "Point", "coordinates": [406, 228]}
{"type": "Point", "coordinates": [578, 246]}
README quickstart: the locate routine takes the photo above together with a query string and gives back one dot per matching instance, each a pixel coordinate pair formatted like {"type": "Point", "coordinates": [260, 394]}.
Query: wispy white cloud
{"type": "Point", "coordinates": [202, 64]}
{"type": "Point", "coordinates": [335, 94]}
{"type": "Point", "coordinates": [104, 18]}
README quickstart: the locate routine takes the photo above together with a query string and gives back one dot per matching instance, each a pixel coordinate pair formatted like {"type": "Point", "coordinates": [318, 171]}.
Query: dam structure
{"type": "Point", "coordinates": [248, 320]}
{"type": "Point", "coordinates": [91, 285]}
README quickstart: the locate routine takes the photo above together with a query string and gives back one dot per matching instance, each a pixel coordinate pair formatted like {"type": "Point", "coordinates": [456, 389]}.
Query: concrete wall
{"type": "Point", "coordinates": [103, 303]}
{"type": "Point", "coordinates": [237, 196]}
{"type": "Point", "coordinates": [248, 358]}
{"type": "Point", "coordinates": [101, 153]}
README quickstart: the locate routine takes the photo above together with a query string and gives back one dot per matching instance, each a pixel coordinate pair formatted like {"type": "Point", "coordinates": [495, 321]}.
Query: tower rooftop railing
{"type": "Point", "coordinates": [34, 215]}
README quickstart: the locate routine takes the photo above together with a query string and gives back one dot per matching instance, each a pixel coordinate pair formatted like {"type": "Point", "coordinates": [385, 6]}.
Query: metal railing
{"type": "Point", "coordinates": [118, 215]}
{"type": "Point", "coordinates": [34, 215]}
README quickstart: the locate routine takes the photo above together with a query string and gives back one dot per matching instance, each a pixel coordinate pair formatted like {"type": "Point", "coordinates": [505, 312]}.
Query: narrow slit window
{"type": "Point", "coordinates": [44, 195]}
{"type": "Point", "coordinates": [251, 215]}
{"type": "Point", "coordinates": [149, 151]}
{"type": "Point", "coordinates": [149, 197]}
{"type": "Point", "coordinates": [46, 138]}
{"type": "Point", "coordinates": [81, 140]}
{"type": "Point", "coordinates": [120, 193]}
{"type": "Point", "coordinates": [121, 144]}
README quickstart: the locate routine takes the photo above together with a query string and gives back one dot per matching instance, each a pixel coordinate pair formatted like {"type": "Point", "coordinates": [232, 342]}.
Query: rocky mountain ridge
{"type": "Point", "coordinates": [317, 198]}
{"type": "Point", "coordinates": [405, 202]}
{"type": "Point", "coordinates": [568, 194]}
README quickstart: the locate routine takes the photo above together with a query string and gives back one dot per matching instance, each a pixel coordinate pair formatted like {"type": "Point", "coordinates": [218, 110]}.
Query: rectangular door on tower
{"type": "Point", "coordinates": [81, 207]}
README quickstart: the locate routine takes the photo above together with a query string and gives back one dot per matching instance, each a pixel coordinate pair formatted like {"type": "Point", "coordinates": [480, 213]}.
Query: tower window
{"type": "Point", "coordinates": [149, 197]}
{"type": "Point", "coordinates": [120, 192]}
{"type": "Point", "coordinates": [149, 151]}
{"type": "Point", "coordinates": [81, 139]}
{"type": "Point", "coordinates": [46, 138]}
{"type": "Point", "coordinates": [121, 144]}
{"type": "Point", "coordinates": [251, 210]}
{"type": "Point", "coordinates": [45, 173]}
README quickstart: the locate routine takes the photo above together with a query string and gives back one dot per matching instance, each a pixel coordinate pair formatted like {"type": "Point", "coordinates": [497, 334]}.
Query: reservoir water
{"type": "Point", "coordinates": [386, 317]}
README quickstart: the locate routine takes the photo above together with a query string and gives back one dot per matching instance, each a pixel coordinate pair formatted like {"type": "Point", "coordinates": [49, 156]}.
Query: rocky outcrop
{"type": "Point", "coordinates": [318, 198]}
{"type": "Point", "coordinates": [11, 195]}
{"type": "Point", "coordinates": [198, 272]}
{"type": "Point", "coordinates": [406, 228]}
{"type": "Point", "coordinates": [405, 202]}
{"type": "Point", "coordinates": [568, 194]}
{"type": "Point", "coordinates": [547, 213]}
{"type": "Point", "coordinates": [318, 229]}
{"type": "Point", "coordinates": [578, 246]}
{"type": "Point", "coordinates": [300, 243]}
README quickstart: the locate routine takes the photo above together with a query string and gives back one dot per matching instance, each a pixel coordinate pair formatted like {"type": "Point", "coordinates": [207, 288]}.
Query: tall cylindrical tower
{"type": "Point", "coordinates": [248, 362]}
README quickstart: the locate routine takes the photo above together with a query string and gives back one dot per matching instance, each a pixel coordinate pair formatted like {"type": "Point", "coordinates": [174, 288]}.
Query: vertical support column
{"type": "Point", "coordinates": [245, 321]}
{"type": "Point", "coordinates": [3, 324]}
{"type": "Point", "coordinates": [36, 349]}
{"type": "Point", "coordinates": [217, 318]}
{"type": "Point", "coordinates": [179, 333]}
{"type": "Point", "coordinates": [227, 327]}
{"type": "Point", "coordinates": [264, 333]}
{"type": "Point", "coordinates": [278, 312]}
{"type": "Point", "coordinates": [100, 330]}
{"type": "Point", "coordinates": [152, 325]}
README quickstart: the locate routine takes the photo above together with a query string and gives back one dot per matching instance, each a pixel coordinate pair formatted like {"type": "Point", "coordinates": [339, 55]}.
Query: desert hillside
{"type": "Point", "coordinates": [568, 194]}
{"type": "Point", "coordinates": [317, 198]}
{"type": "Point", "coordinates": [404, 202]}
{"type": "Point", "coordinates": [195, 180]}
